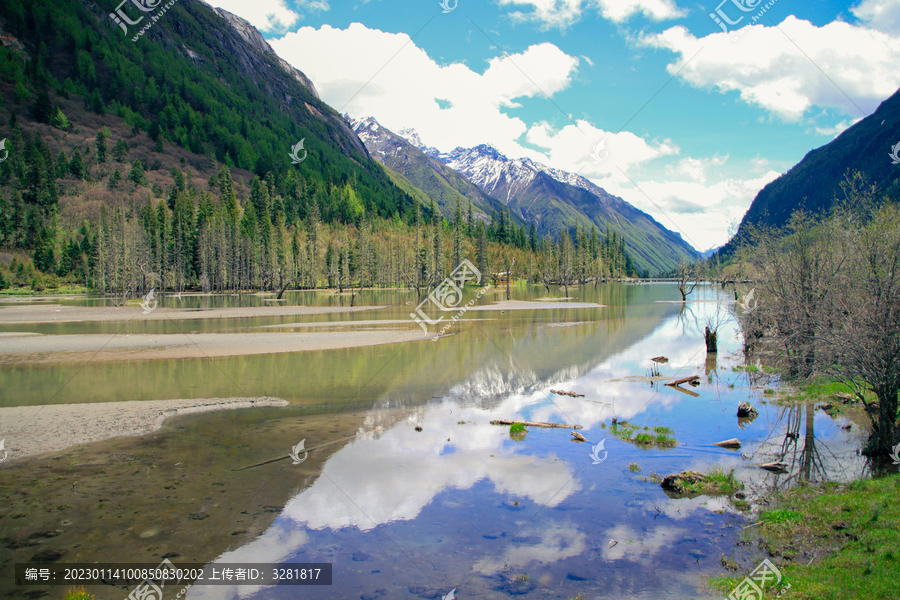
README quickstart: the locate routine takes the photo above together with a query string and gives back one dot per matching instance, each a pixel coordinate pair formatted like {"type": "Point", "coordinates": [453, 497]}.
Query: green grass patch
{"type": "Point", "coordinates": [77, 594]}
{"type": "Point", "coordinates": [716, 481]}
{"type": "Point", "coordinates": [832, 541]}
{"type": "Point", "coordinates": [659, 437]}
{"type": "Point", "coordinates": [634, 467]}
{"type": "Point", "coordinates": [517, 428]}
{"type": "Point", "coordinates": [779, 516]}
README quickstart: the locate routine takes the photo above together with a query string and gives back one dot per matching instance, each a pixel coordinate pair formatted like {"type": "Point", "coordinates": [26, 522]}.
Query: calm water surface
{"type": "Point", "coordinates": [460, 504]}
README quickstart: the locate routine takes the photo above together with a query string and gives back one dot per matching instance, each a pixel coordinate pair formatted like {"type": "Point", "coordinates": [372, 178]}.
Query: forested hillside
{"type": "Point", "coordinates": [165, 163]}
{"type": "Point", "coordinates": [813, 184]}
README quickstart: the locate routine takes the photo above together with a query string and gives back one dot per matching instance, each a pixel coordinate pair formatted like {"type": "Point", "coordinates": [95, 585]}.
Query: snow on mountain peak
{"type": "Point", "coordinates": [411, 136]}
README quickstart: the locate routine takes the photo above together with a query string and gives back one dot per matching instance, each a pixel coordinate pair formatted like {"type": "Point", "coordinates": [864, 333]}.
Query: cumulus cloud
{"type": "Point", "coordinates": [270, 15]}
{"type": "Point", "coordinates": [837, 129]}
{"type": "Point", "coordinates": [792, 67]}
{"type": "Point", "coordinates": [883, 15]}
{"type": "Point", "coordinates": [455, 104]}
{"type": "Point", "coordinates": [450, 105]}
{"type": "Point", "coordinates": [564, 13]}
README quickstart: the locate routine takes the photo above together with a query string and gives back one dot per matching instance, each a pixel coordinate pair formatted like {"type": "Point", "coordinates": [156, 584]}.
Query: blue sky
{"type": "Point", "coordinates": [694, 120]}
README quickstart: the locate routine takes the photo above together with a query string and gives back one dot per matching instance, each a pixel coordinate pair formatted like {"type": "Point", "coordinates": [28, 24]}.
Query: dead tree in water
{"type": "Point", "coordinates": [509, 269]}
{"type": "Point", "coordinates": [686, 275]}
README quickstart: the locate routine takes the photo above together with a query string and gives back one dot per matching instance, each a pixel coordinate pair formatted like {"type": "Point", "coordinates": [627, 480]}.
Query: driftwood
{"type": "Point", "coordinates": [732, 443]}
{"type": "Point", "coordinates": [684, 391]}
{"type": "Point", "coordinates": [535, 424]}
{"type": "Point", "coordinates": [577, 436]}
{"type": "Point", "coordinates": [775, 467]}
{"type": "Point", "coordinates": [660, 359]}
{"type": "Point", "coordinates": [564, 393]}
{"type": "Point", "coordinates": [684, 380]}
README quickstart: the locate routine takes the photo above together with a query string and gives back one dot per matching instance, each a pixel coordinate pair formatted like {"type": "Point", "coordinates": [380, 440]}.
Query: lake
{"type": "Point", "coordinates": [457, 504]}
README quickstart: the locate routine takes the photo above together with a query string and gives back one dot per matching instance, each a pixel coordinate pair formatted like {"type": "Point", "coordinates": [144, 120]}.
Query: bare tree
{"type": "Point", "coordinates": [508, 266]}
{"type": "Point", "coordinates": [830, 298]}
{"type": "Point", "coordinates": [686, 276]}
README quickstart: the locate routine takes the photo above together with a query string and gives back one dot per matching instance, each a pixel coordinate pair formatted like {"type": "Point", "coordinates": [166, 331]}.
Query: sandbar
{"type": "Point", "coordinates": [33, 430]}
{"type": "Point", "coordinates": [58, 313]}
{"type": "Point", "coordinates": [33, 349]}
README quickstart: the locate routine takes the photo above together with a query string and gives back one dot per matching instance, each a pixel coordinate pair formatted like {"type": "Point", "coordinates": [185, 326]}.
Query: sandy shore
{"type": "Point", "coordinates": [33, 430]}
{"type": "Point", "coordinates": [32, 349]}
{"type": "Point", "coordinates": [57, 313]}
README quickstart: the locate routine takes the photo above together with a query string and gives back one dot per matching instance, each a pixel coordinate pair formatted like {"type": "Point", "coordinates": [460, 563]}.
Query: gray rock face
{"type": "Point", "coordinates": [252, 36]}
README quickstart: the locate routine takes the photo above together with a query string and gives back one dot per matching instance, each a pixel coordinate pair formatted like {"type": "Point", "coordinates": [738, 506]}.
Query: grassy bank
{"type": "Point", "coordinates": [837, 541]}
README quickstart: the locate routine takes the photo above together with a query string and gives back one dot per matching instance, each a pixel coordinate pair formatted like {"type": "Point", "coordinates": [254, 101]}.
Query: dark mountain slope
{"type": "Point", "coordinates": [813, 183]}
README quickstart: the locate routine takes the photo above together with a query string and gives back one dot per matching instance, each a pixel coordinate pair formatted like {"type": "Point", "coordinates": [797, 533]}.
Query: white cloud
{"type": "Point", "coordinates": [792, 67]}
{"type": "Point", "coordinates": [270, 15]}
{"type": "Point", "coordinates": [837, 129]}
{"type": "Point", "coordinates": [883, 15]}
{"type": "Point", "coordinates": [677, 191]}
{"type": "Point", "coordinates": [563, 13]}
{"type": "Point", "coordinates": [573, 147]}
{"type": "Point", "coordinates": [369, 83]}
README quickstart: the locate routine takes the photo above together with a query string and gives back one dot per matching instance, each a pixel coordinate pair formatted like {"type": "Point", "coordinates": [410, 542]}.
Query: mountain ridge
{"type": "Point", "coordinates": [556, 200]}
{"type": "Point", "coordinates": [813, 183]}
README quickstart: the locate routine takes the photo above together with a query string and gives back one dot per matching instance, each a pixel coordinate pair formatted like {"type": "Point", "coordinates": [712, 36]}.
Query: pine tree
{"type": "Point", "coordinates": [120, 151]}
{"type": "Point", "coordinates": [137, 174]}
{"type": "Point", "coordinates": [481, 251]}
{"type": "Point", "coordinates": [458, 227]}
{"type": "Point", "coordinates": [76, 165]}
{"type": "Point", "coordinates": [102, 146]}
{"type": "Point", "coordinates": [312, 244]}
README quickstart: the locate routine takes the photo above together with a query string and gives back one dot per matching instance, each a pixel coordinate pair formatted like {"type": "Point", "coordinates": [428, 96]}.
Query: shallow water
{"type": "Point", "coordinates": [413, 514]}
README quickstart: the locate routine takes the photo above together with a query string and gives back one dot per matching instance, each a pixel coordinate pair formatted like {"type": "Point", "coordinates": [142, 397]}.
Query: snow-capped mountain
{"type": "Point", "coordinates": [553, 199]}
{"type": "Point", "coordinates": [430, 175]}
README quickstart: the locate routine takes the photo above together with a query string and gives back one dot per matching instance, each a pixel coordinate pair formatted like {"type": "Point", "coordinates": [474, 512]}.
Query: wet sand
{"type": "Point", "coordinates": [33, 430]}
{"type": "Point", "coordinates": [57, 313]}
{"type": "Point", "coordinates": [34, 349]}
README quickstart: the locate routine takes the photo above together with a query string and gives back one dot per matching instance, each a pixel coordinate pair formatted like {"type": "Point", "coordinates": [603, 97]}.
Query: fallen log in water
{"type": "Point", "coordinates": [732, 443]}
{"type": "Point", "coordinates": [565, 393]}
{"type": "Point", "coordinates": [535, 424]}
{"type": "Point", "coordinates": [660, 359]}
{"type": "Point", "coordinates": [776, 467]}
{"type": "Point", "coordinates": [684, 391]}
{"type": "Point", "coordinates": [684, 380]}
